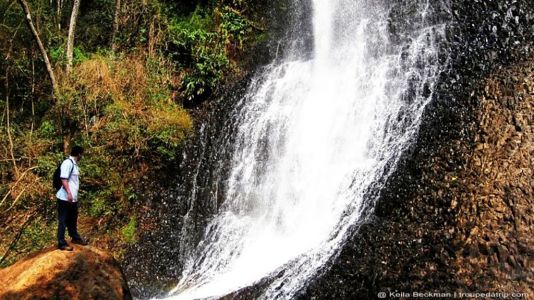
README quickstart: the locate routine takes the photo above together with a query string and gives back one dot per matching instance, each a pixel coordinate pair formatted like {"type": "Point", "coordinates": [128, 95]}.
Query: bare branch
{"type": "Point", "coordinates": [16, 183]}
{"type": "Point", "coordinates": [29, 21]}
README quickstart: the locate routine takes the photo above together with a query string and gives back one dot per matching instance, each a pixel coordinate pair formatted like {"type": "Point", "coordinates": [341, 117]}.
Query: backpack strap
{"type": "Point", "coordinates": [72, 169]}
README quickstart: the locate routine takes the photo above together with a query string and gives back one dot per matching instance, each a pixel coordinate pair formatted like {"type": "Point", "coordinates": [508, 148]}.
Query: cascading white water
{"type": "Point", "coordinates": [314, 135]}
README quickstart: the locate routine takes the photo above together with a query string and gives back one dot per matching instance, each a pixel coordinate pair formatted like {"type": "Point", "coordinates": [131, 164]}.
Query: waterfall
{"type": "Point", "coordinates": [315, 134]}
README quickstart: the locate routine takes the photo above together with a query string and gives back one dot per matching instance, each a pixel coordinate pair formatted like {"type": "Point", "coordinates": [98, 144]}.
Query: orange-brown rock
{"type": "Point", "coordinates": [85, 273]}
{"type": "Point", "coordinates": [496, 206]}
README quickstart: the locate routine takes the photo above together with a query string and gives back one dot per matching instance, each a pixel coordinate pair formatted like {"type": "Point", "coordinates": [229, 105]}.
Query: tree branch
{"type": "Point", "coordinates": [17, 182]}
{"type": "Point", "coordinates": [17, 236]}
{"type": "Point", "coordinates": [29, 21]}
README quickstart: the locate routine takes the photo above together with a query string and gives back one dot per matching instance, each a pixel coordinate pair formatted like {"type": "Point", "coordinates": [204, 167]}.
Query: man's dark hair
{"type": "Point", "coordinates": [76, 150]}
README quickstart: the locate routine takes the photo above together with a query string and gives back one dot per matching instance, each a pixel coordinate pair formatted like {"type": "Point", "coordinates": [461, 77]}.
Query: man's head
{"type": "Point", "coordinates": [76, 152]}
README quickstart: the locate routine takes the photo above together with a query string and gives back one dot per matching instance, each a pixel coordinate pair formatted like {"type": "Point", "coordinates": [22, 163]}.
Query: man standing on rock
{"type": "Point", "coordinates": [67, 200]}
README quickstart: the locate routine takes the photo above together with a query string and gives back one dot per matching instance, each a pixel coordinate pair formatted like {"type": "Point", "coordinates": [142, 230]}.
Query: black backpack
{"type": "Point", "coordinates": [56, 181]}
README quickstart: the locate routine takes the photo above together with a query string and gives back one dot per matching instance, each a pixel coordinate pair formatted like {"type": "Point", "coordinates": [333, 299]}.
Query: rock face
{"type": "Point", "coordinates": [495, 214]}
{"type": "Point", "coordinates": [457, 216]}
{"type": "Point", "coordinates": [465, 224]}
{"type": "Point", "coordinates": [85, 273]}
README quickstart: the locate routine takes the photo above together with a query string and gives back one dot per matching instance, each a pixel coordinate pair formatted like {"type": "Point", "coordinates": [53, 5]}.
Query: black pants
{"type": "Point", "coordinates": [67, 213]}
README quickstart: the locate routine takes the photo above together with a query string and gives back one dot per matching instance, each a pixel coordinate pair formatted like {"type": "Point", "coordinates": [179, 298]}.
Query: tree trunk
{"type": "Point", "coordinates": [29, 21]}
{"type": "Point", "coordinates": [8, 126]}
{"type": "Point", "coordinates": [8, 112]}
{"type": "Point", "coordinates": [115, 25]}
{"type": "Point", "coordinates": [70, 37]}
{"type": "Point", "coordinates": [59, 7]}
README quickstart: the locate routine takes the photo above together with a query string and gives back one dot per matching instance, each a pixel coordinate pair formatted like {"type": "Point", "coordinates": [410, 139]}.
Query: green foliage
{"type": "Point", "coordinates": [126, 101]}
{"type": "Point", "coordinates": [208, 71]}
{"type": "Point", "coordinates": [58, 54]}
{"type": "Point", "coordinates": [47, 129]}
{"type": "Point", "coordinates": [261, 38]}
{"type": "Point", "coordinates": [39, 233]}
{"type": "Point", "coordinates": [189, 32]}
{"type": "Point", "coordinates": [233, 26]}
{"type": "Point", "coordinates": [47, 163]}
{"type": "Point", "coordinates": [204, 44]}
{"type": "Point", "coordinates": [196, 48]}
{"type": "Point", "coordinates": [129, 231]}
{"type": "Point", "coordinates": [100, 205]}
{"type": "Point", "coordinates": [79, 55]}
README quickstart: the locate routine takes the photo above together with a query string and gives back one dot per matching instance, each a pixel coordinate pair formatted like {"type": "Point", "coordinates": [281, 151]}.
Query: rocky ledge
{"type": "Point", "coordinates": [85, 273]}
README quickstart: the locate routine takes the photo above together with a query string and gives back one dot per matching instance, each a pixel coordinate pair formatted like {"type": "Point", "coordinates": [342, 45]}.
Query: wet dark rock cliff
{"type": "Point", "coordinates": [457, 214]}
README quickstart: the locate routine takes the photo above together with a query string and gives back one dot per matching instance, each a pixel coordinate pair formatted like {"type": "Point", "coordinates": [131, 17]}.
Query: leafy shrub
{"type": "Point", "coordinates": [203, 45]}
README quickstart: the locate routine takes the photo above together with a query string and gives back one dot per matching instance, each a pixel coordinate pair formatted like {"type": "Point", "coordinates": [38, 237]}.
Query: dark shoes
{"type": "Point", "coordinates": [76, 241]}
{"type": "Point", "coordinates": [80, 242]}
{"type": "Point", "coordinates": [65, 247]}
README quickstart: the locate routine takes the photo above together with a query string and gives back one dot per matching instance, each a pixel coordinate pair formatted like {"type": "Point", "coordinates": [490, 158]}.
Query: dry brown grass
{"type": "Point", "coordinates": [137, 90]}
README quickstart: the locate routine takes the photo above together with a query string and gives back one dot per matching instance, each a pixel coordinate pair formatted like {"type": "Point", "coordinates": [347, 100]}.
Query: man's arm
{"type": "Point", "coordinates": [65, 183]}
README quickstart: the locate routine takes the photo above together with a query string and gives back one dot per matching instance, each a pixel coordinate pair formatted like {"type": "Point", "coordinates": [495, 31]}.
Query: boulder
{"type": "Point", "coordinates": [85, 273]}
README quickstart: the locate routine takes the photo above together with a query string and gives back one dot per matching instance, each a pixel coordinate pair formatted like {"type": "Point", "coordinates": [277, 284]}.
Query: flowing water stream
{"type": "Point", "coordinates": [315, 134]}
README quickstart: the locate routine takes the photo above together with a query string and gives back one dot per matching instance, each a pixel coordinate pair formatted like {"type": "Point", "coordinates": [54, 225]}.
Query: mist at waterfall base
{"type": "Point", "coordinates": [314, 135]}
